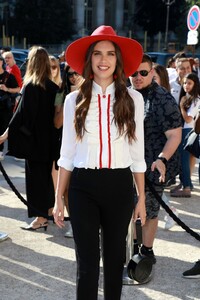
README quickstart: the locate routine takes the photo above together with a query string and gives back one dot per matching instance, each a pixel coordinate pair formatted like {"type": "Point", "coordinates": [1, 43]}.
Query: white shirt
{"type": "Point", "coordinates": [175, 89]}
{"type": "Point", "coordinates": [192, 112]}
{"type": "Point", "coordinates": [172, 73]}
{"type": "Point", "coordinates": [101, 146]}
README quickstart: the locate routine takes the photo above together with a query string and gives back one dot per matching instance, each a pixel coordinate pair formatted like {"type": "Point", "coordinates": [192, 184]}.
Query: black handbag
{"type": "Point", "coordinates": [20, 139]}
{"type": "Point", "coordinates": [140, 267]}
{"type": "Point", "coordinates": [191, 143]}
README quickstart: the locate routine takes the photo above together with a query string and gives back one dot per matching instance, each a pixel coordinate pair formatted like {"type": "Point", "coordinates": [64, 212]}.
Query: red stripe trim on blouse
{"type": "Point", "coordinates": [100, 132]}
{"type": "Point", "coordinates": [108, 129]}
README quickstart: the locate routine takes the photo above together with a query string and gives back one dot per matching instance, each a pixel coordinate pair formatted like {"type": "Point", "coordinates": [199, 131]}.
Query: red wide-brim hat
{"type": "Point", "coordinates": [131, 50]}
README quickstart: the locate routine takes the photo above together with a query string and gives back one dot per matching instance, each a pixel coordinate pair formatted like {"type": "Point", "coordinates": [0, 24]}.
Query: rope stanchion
{"type": "Point", "coordinates": [170, 212]}
{"type": "Point", "coordinates": [17, 193]}
{"type": "Point", "coordinates": [158, 198]}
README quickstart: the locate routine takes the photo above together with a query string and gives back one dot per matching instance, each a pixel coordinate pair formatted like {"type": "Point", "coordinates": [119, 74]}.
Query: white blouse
{"type": "Point", "coordinates": [192, 112]}
{"type": "Point", "coordinates": [101, 145]}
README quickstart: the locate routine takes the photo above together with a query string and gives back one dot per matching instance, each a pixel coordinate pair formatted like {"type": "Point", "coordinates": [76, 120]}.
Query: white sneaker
{"type": "Point", "coordinates": [69, 232]}
{"type": "Point", "coordinates": [3, 236]}
{"type": "Point", "coordinates": [1, 155]}
{"type": "Point", "coordinates": [169, 222]}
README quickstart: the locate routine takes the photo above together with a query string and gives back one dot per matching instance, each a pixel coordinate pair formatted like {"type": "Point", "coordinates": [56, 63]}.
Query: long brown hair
{"type": "Point", "coordinates": [123, 108]}
{"type": "Point", "coordinates": [194, 93]}
{"type": "Point", "coordinates": [38, 68]}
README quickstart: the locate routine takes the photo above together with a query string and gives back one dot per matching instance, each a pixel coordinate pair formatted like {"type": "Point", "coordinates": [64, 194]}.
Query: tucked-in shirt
{"type": "Point", "coordinates": [101, 145]}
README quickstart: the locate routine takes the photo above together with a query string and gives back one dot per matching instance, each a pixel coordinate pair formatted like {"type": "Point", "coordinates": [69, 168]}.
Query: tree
{"type": "Point", "coordinates": [42, 21]}
{"type": "Point", "coordinates": [151, 16]}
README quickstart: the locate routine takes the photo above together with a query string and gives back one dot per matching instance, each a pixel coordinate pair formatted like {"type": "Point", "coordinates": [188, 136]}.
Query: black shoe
{"type": "Point", "coordinates": [40, 225]}
{"type": "Point", "coordinates": [148, 253]}
{"type": "Point", "coordinates": [194, 272]}
{"type": "Point", "coordinates": [170, 182]}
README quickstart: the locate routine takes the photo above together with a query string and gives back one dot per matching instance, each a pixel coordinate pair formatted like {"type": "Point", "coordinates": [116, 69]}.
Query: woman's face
{"type": "Point", "coordinates": [104, 62]}
{"type": "Point", "coordinates": [9, 60]}
{"type": "Point", "coordinates": [54, 68]}
{"type": "Point", "coordinates": [156, 77]}
{"type": "Point", "coordinates": [188, 85]}
{"type": "Point", "coordinates": [73, 76]}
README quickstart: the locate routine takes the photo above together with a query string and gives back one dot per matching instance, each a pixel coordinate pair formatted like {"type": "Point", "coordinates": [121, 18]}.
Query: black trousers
{"type": "Point", "coordinates": [100, 199]}
{"type": "Point", "coordinates": [39, 187]}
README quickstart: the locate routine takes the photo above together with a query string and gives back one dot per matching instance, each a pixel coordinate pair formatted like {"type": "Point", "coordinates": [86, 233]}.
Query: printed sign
{"type": "Point", "coordinates": [193, 18]}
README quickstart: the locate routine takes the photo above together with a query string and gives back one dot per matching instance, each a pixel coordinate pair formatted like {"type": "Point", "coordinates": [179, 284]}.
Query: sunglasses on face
{"type": "Point", "coordinates": [71, 74]}
{"type": "Point", "coordinates": [143, 73]}
{"type": "Point", "coordinates": [53, 67]}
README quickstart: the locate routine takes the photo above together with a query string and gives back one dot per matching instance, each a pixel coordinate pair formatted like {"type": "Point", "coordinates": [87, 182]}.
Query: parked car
{"type": "Point", "coordinates": [160, 58]}
{"type": "Point", "coordinates": [19, 55]}
{"type": "Point", "coordinates": [22, 65]}
{"type": "Point", "coordinates": [163, 57]}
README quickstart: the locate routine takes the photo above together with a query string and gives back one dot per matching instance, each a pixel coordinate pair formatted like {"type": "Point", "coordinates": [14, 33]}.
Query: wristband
{"type": "Point", "coordinates": [163, 159]}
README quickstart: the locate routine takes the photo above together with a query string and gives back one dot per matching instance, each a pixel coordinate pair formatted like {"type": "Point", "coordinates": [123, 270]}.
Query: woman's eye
{"type": "Point", "coordinates": [111, 53]}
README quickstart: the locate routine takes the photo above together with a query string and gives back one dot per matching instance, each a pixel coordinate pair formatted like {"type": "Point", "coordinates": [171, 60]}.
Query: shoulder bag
{"type": "Point", "coordinates": [192, 143]}
{"type": "Point", "coordinates": [20, 139]}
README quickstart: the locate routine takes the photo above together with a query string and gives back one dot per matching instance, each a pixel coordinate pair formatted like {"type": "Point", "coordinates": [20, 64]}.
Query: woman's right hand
{"type": "Point", "coordinates": [4, 136]}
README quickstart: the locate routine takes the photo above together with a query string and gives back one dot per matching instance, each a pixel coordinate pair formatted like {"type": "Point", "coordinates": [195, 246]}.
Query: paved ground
{"type": "Point", "coordinates": [41, 265]}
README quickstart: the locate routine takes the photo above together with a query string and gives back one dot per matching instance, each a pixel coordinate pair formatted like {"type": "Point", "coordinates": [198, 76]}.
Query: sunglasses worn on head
{"type": "Point", "coordinates": [70, 74]}
{"type": "Point", "coordinates": [143, 73]}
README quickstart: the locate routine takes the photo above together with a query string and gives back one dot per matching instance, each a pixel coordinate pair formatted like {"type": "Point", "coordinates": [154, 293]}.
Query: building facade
{"type": "Point", "coordinates": [89, 14]}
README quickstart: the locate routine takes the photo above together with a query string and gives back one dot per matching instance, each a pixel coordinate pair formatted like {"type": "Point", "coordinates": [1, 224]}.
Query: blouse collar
{"type": "Point", "coordinates": [98, 90]}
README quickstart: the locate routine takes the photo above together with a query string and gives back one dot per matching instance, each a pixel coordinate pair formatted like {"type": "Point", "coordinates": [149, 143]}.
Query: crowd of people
{"type": "Point", "coordinates": [92, 128]}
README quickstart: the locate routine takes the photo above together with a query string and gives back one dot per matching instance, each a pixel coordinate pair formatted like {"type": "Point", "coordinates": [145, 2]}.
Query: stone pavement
{"type": "Point", "coordinates": [41, 265]}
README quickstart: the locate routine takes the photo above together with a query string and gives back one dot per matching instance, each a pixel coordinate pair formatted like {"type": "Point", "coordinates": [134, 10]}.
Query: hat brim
{"type": "Point", "coordinates": [131, 51]}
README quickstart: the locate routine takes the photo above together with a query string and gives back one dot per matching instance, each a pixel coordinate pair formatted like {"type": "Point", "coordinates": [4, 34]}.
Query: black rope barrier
{"type": "Point", "coordinates": [170, 212]}
{"type": "Point", "coordinates": [158, 198]}
{"type": "Point", "coordinates": [17, 193]}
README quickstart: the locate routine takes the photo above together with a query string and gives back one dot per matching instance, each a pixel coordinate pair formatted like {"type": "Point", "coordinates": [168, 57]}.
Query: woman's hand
{"type": "Point", "coordinates": [3, 88]}
{"type": "Point", "coordinates": [4, 136]}
{"type": "Point", "coordinates": [140, 210]}
{"type": "Point", "coordinates": [61, 190]}
{"type": "Point", "coordinates": [58, 212]}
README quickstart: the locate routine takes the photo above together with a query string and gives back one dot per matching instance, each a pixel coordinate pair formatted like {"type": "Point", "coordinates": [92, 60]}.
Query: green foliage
{"type": "Point", "coordinates": [151, 15]}
{"type": "Point", "coordinates": [42, 21]}
{"type": "Point", "coordinates": [193, 2]}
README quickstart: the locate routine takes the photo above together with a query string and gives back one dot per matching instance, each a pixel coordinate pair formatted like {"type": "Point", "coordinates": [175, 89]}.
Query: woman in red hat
{"type": "Point", "coordinates": [102, 151]}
